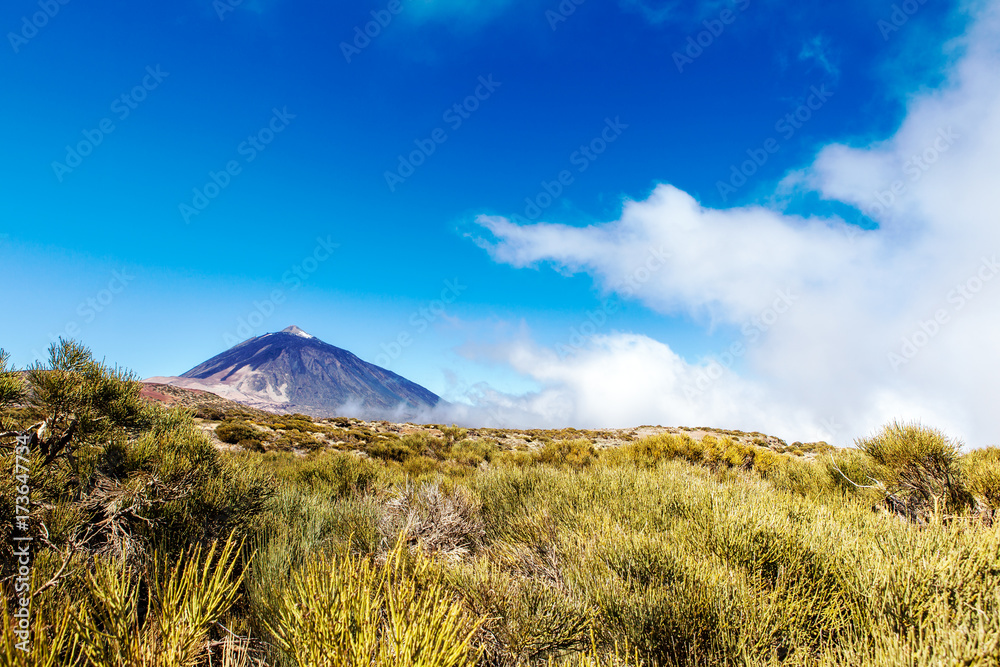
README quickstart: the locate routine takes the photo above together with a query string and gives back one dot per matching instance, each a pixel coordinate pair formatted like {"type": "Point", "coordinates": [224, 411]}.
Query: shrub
{"type": "Point", "coordinates": [572, 453]}
{"type": "Point", "coordinates": [850, 470]}
{"type": "Point", "coordinates": [336, 474]}
{"type": "Point", "coordinates": [648, 452]}
{"type": "Point", "coordinates": [420, 467]}
{"type": "Point", "coordinates": [390, 448]}
{"type": "Point", "coordinates": [919, 469]}
{"type": "Point", "coordinates": [345, 611]}
{"type": "Point", "coordinates": [453, 433]}
{"type": "Point", "coordinates": [185, 597]}
{"type": "Point", "coordinates": [437, 521]}
{"type": "Point", "coordinates": [982, 469]}
{"type": "Point", "coordinates": [473, 452]}
{"type": "Point", "coordinates": [393, 448]}
{"type": "Point", "coordinates": [293, 439]}
{"type": "Point", "coordinates": [301, 424]}
{"type": "Point", "coordinates": [526, 620]}
{"type": "Point", "coordinates": [233, 432]}
{"type": "Point", "coordinates": [210, 413]}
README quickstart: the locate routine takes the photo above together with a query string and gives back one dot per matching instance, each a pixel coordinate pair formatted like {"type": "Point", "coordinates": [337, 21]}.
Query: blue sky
{"type": "Point", "coordinates": [310, 119]}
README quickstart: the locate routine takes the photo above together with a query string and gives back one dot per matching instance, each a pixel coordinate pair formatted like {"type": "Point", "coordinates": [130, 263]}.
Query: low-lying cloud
{"type": "Point", "coordinates": [895, 322]}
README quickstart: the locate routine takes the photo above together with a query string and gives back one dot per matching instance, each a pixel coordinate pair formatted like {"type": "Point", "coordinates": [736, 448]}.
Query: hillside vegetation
{"type": "Point", "coordinates": [240, 538]}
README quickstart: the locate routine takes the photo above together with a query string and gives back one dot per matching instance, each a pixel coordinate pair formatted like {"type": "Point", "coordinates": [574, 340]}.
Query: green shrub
{"type": "Point", "coordinates": [302, 424]}
{"type": "Point", "coordinates": [420, 466]}
{"type": "Point", "coordinates": [453, 434]}
{"type": "Point", "coordinates": [394, 448]}
{"type": "Point", "coordinates": [982, 469]}
{"type": "Point", "coordinates": [347, 611]}
{"type": "Point", "coordinates": [390, 449]}
{"type": "Point", "coordinates": [850, 471]}
{"type": "Point", "coordinates": [919, 468]}
{"type": "Point", "coordinates": [210, 413]}
{"type": "Point", "coordinates": [235, 431]}
{"type": "Point", "coordinates": [526, 620]}
{"type": "Point", "coordinates": [473, 452]}
{"type": "Point", "coordinates": [186, 597]}
{"type": "Point", "coordinates": [649, 452]}
{"type": "Point", "coordinates": [336, 474]}
{"type": "Point", "coordinates": [572, 453]}
{"type": "Point", "coordinates": [293, 439]}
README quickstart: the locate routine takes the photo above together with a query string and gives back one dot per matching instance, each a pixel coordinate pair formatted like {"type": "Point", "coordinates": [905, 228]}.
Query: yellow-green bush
{"type": "Point", "coordinates": [919, 466]}
{"type": "Point", "coordinates": [348, 611]}
{"type": "Point", "coordinates": [336, 474]}
{"type": "Point", "coordinates": [473, 452]}
{"type": "Point", "coordinates": [235, 431]}
{"type": "Point", "coordinates": [572, 453]}
{"type": "Point", "coordinates": [982, 469]}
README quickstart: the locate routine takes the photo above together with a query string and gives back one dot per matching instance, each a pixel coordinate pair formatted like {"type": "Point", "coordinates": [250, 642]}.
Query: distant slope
{"type": "Point", "coordinates": [292, 371]}
{"type": "Point", "coordinates": [202, 403]}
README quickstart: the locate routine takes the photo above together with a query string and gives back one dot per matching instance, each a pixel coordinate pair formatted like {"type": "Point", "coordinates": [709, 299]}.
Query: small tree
{"type": "Point", "coordinates": [72, 400]}
{"type": "Point", "coordinates": [113, 474]}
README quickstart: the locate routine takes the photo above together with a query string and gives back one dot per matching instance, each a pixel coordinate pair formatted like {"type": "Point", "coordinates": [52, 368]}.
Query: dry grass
{"type": "Point", "coordinates": [436, 521]}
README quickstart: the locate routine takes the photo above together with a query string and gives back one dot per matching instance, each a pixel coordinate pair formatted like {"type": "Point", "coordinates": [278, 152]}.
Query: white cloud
{"type": "Point", "coordinates": [624, 380]}
{"type": "Point", "coordinates": [824, 365]}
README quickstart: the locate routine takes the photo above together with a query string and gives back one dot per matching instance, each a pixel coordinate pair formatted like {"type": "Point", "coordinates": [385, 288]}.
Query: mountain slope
{"type": "Point", "coordinates": [293, 371]}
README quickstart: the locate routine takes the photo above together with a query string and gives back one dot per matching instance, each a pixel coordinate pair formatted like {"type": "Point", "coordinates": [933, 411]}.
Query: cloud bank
{"type": "Point", "coordinates": [896, 322]}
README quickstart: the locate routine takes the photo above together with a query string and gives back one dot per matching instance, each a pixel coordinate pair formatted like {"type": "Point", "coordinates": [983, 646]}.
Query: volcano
{"type": "Point", "coordinates": [293, 371]}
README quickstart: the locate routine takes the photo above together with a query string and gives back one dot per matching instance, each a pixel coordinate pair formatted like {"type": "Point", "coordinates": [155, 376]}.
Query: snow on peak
{"type": "Point", "coordinates": [297, 331]}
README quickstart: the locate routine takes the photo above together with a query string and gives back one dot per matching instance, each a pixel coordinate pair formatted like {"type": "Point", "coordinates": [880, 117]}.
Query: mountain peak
{"type": "Point", "coordinates": [289, 374]}
{"type": "Point", "coordinates": [297, 331]}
